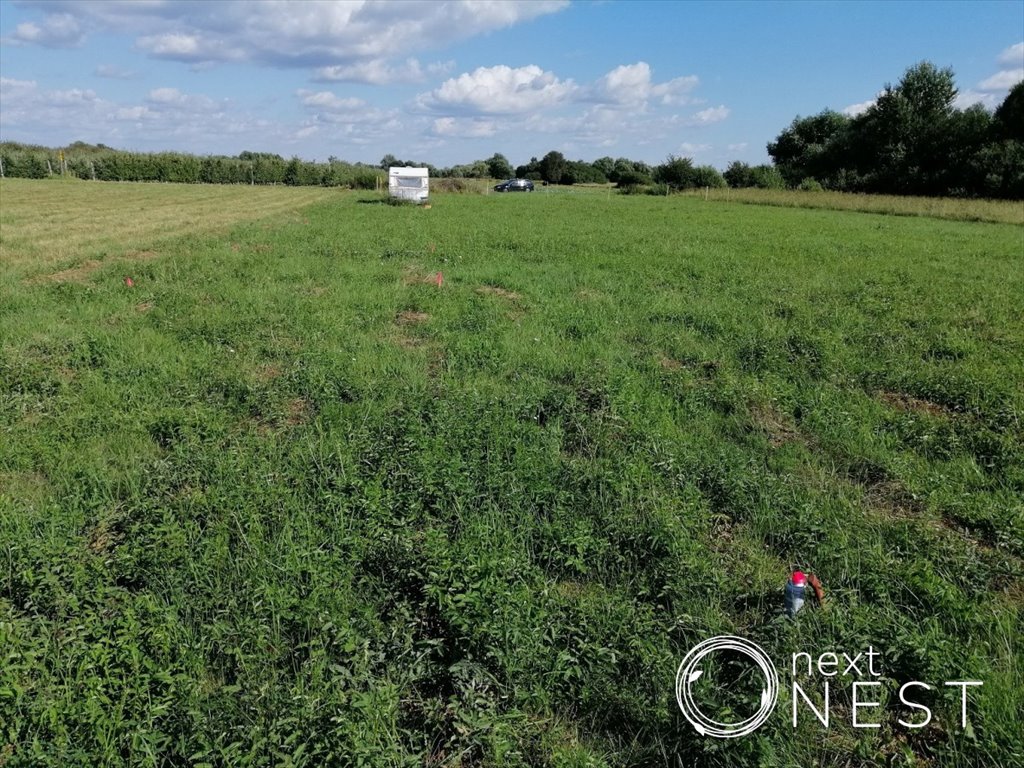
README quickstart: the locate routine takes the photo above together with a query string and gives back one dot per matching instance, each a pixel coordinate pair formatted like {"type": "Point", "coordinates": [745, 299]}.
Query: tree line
{"type": "Point", "coordinates": [911, 141]}
{"type": "Point", "coordinates": [555, 168]}
{"type": "Point", "coordinates": [102, 163]}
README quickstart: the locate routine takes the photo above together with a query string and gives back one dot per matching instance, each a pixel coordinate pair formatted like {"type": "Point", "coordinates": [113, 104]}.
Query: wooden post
{"type": "Point", "coordinates": [1, 166]}
{"type": "Point", "coordinates": [49, 167]}
{"type": "Point", "coordinates": [92, 166]}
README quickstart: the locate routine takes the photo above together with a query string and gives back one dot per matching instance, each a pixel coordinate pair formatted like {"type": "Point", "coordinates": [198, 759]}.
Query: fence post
{"type": "Point", "coordinates": [49, 167]}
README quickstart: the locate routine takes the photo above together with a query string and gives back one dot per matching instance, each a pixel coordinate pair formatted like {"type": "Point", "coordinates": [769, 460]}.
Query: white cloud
{"type": "Point", "coordinates": [1003, 80]}
{"type": "Point", "coordinates": [1014, 55]}
{"type": "Point", "coordinates": [626, 84]}
{"type": "Point", "coordinates": [71, 98]}
{"type": "Point", "coordinates": [739, 147]}
{"type": "Point", "coordinates": [113, 72]}
{"type": "Point", "coordinates": [674, 91]}
{"type": "Point", "coordinates": [990, 90]}
{"type": "Point", "coordinates": [693, 149]}
{"type": "Point", "coordinates": [632, 85]}
{"type": "Point", "coordinates": [707, 116]}
{"type": "Point", "coordinates": [498, 90]}
{"type": "Point", "coordinates": [859, 108]}
{"type": "Point", "coordinates": [329, 101]}
{"type": "Point", "coordinates": [348, 119]}
{"type": "Point", "coordinates": [197, 49]}
{"type": "Point", "coordinates": [136, 113]}
{"type": "Point", "coordinates": [165, 98]}
{"type": "Point", "coordinates": [465, 128]}
{"type": "Point", "coordinates": [970, 97]}
{"type": "Point", "coordinates": [165, 118]}
{"type": "Point", "coordinates": [380, 72]}
{"type": "Point", "coordinates": [310, 34]}
{"type": "Point", "coordinates": [57, 30]}
{"type": "Point", "coordinates": [11, 87]}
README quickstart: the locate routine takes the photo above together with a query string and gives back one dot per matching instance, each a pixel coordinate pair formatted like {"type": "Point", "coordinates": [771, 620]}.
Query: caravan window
{"type": "Point", "coordinates": [410, 181]}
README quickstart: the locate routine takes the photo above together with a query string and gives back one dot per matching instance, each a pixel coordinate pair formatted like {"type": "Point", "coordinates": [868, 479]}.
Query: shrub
{"type": "Point", "coordinates": [811, 185]}
{"type": "Point", "coordinates": [739, 175]}
{"type": "Point", "coordinates": [767, 177]}
{"type": "Point", "coordinates": [630, 178]}
{"type": "Point", "coordinates": [450, 185]}
{"type": "Point", "coordinates": [364, 178]}
{"type": "Point", "coordinates": [707, 176]}
{"type": "Point", "coordinates": [676, 172]}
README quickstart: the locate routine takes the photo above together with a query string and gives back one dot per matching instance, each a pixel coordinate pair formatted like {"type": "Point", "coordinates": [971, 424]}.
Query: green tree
{"type": "Point", "coordinates": [606, 166]}
{"type": "Point", "coordinates": [633, 172]}
{"type": "Point", "coordinates": [552, 167]}
{"type": "Point", "coordinates": [807, 146]}
{"type": "Point", "coordinates": [739, 175]}
{"type": "Point", "coordinates": [676, 172]}
{"type": "Point", "coordinates": [498, 166]}
{"type": "Point", "coordinates": [1009, 116]}
{"type": "Point", "coordinates": [900, 138]}
{"type": "Point", "coordinates": [767, 177]}
{"type": "Point", "coordinates": [707, 176]}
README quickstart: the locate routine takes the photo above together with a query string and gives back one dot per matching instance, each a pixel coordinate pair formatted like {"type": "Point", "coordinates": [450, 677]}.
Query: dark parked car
{"type": "Point", "coordinates": [515, 185]}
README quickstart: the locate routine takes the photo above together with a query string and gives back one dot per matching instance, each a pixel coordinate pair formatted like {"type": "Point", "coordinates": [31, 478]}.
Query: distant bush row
{"type": "Point", "coordinates": [102, 163]}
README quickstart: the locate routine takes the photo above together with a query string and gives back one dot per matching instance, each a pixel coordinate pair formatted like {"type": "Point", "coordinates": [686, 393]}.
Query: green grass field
{"type": "Point", "coordinates": [287, 501]}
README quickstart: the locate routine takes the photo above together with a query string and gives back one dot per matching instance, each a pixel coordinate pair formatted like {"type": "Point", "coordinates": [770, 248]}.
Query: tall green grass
{"type": "Point", "coordinates": [998, 211]}
{"type": "Point", "coordinates": [287, 501]}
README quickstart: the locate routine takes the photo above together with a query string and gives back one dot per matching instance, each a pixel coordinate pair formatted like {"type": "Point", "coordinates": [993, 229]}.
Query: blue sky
{"type": "Point", "coordinates": [451, 82]}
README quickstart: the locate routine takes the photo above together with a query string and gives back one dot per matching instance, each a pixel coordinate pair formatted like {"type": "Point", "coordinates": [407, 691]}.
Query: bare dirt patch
{"type": "Point", "coordinates": [73, 275]}
{"type": "Point", "coordinates": [408, 342]}
{"type": "Point", "coordinates": [298, 412]}
{"type": "Point", "coordinates": [668, 364]}
{"type": "Point", "coordinates": [268, 372]}
{"type": "Point", "coordinates": [82, 272]}
{"type": "Point", "coordinates": [496, 290]}
{"type": "Point", "coordinates": [144, 306]}
{"type": "Point", "coordinates": [778, 427]}
{"type": "Point", "coordinates": [104, 537]}
{"type": "Point", "coordinates": [412, 274]}
{"type": "Point", "coordinates": [893, 500]}
{"type": "Point", "coordinates": [903, 402]}
{"type": "Point", "coordinates": [411, 317]}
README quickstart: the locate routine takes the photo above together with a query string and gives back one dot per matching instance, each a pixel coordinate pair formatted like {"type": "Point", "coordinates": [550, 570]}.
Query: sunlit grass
{"type": "Point", "coordinates": [1002, 211]}
{"type": "Point", "coordinates": [48, 225]}
{"type": "Point", "coordinates": [287, 500]}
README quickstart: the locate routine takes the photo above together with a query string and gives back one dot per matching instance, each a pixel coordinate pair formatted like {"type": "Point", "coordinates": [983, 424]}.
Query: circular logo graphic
{"type": "Point", "coordinates": [689, 672]}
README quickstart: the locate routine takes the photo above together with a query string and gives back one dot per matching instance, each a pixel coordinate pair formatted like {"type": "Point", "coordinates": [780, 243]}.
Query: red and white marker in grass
{"type": "Point", "coordinates": [439, 279]}
{"type": "Point", "coordinates": [129, 282]}
{"type": "Point", "coordinates": [795, 589]}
